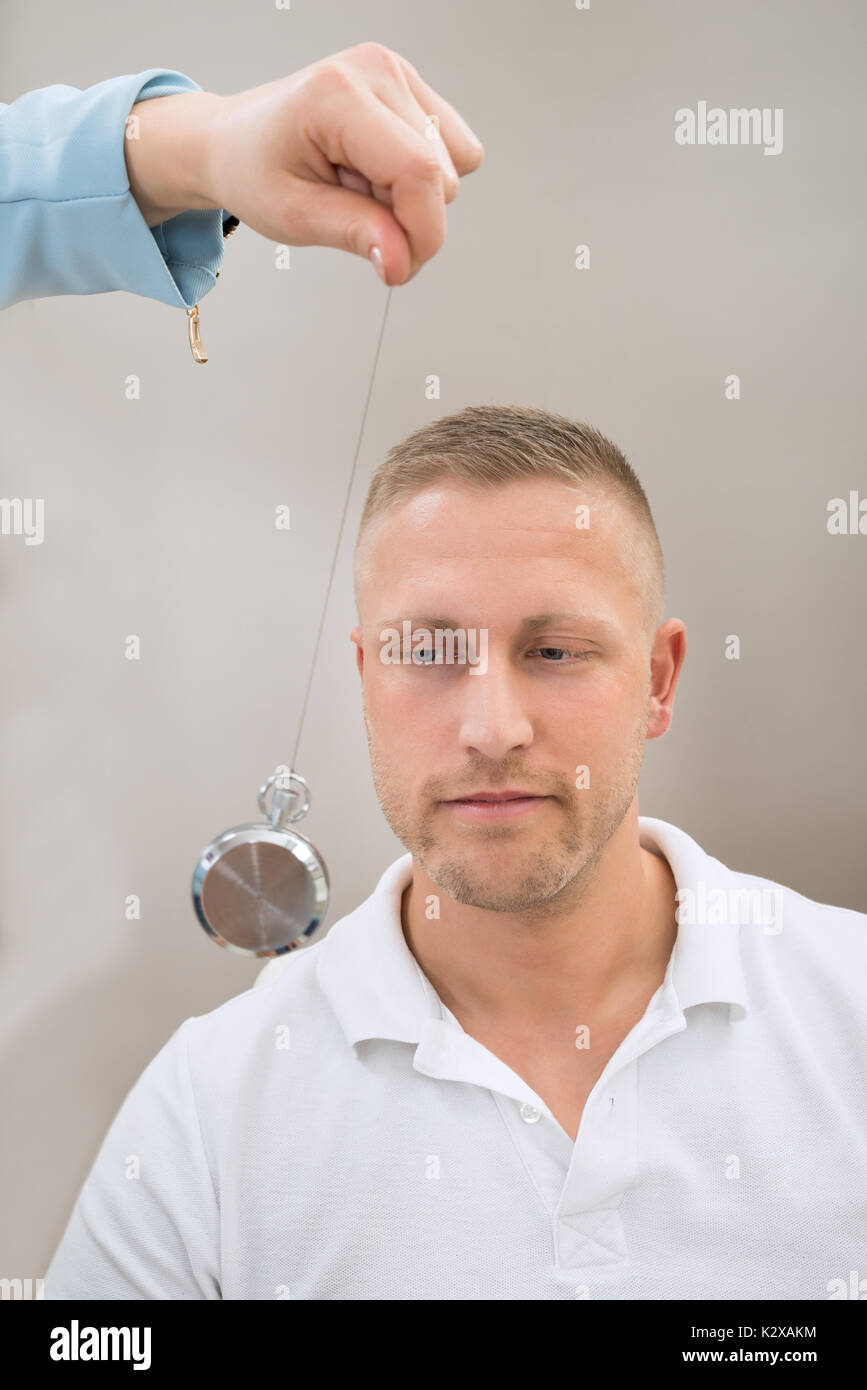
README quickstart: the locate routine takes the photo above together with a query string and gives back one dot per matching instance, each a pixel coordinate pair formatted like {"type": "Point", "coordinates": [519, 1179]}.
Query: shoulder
{"type": "Point", "coordinates": [807, 918]}
{"type": "Point", "coordinates": [815, 951]}
{"type": "Point", "coordinates": [266, 1016]}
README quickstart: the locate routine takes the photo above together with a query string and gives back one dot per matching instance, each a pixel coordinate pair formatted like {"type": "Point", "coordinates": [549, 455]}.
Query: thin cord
{"type": "Point", "coordinates": [340, 528]}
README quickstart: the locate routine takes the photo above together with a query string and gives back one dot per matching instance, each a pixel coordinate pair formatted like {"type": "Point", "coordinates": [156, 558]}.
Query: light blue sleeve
{"type": "Point", "coordinates": [68, 221]}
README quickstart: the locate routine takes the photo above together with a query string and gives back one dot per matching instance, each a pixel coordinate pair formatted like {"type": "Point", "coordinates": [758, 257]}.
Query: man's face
{"type": "Point", "coordinates": [570, 694]}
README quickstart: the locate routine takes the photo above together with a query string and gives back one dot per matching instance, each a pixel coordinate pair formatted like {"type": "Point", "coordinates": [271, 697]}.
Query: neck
{"type": "Point", "coordinates": [607, 940]}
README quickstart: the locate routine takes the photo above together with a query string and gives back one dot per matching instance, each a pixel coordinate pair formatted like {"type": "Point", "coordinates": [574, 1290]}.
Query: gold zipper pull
{"type": "Point", "coordinates": [199, 354]}
{"type": "Point", "coordinates": [230, 225]}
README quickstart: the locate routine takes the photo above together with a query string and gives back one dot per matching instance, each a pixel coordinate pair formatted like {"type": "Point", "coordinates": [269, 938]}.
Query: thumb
{"type": "Point", "coordinates": [350, 221]}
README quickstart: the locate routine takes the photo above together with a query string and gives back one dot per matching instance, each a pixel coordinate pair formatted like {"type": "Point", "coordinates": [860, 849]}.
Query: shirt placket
{"type": "Point", "coordinates": [580, 1185]}
{"type": "Point", "coordinates": [583, 1184]}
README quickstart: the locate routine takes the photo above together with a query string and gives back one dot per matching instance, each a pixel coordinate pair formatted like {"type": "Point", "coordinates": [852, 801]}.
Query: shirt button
{"type": "Point", "coordinates": [529, 1114]}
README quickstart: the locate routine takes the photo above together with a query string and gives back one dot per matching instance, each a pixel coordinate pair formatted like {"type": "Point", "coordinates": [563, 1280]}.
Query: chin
{"type": "Point", "coordinates": [487, 876]}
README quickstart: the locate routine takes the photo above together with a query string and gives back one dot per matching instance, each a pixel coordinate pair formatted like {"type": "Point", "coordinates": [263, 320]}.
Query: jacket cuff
{"type": "Point", "coordinates": [191, 244]}
{"type": "Point", "coordinates": [79, 169]}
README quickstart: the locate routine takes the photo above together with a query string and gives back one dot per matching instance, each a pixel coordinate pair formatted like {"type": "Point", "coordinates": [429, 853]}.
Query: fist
{"type": "Point", "coordinates": [355, 151]}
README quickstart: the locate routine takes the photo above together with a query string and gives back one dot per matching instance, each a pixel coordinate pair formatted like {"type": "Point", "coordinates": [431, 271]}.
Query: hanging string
{"type": "Point", "coordinates": [340, 528]}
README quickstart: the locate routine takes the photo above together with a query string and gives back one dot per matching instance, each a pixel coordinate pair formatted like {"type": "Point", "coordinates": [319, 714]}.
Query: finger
{"type": "Point", "coordinates": [359, 184]}
{"type": "Point", "coordinates": [394, 93]}
{"type": "Point", "coordinates": [350, 179]}
{"type": "Point", "coordinates": [390, 154]}
{"type": "Point", "coordinates": [326, 215]}
{"type": "Point", "coordinates": [464, 146]}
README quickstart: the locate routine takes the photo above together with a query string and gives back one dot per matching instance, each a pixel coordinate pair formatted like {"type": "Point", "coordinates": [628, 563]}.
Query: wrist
{"type": "Point", "coordinates": [167, 147]}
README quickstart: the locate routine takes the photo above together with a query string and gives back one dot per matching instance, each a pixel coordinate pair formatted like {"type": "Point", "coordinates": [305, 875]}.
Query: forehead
{"type": "Point", "coordinates": [486, 543]}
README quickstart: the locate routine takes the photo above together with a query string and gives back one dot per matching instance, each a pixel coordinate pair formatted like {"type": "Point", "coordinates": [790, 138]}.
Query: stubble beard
{"type": "Point", "coordinates": [510, 867]}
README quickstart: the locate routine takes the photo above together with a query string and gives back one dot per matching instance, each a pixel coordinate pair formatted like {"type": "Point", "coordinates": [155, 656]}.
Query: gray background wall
{"type": "Point", "coordinates": [159, 512]}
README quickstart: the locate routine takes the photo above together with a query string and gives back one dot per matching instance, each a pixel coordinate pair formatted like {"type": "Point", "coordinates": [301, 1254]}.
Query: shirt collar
{"type": "Point", "coordinates": [377, 990]}
{"type": "Point", "coordinates": [367, 972]}
{"type": "Point", "coordinates": [706, 965]}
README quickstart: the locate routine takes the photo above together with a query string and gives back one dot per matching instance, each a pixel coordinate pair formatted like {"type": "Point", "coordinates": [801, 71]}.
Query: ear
{"type": "Point", "coordinates": [355, 636]}
{"type": "Point", "coordinates": [666, 662]}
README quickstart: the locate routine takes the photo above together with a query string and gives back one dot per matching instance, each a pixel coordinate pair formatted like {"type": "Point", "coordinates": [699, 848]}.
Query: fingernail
{"type": "Point", "coordinates": [379, 267]}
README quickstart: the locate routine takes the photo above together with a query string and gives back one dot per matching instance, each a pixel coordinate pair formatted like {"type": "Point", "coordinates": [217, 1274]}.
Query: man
{"type": "Point", "coordinates": [132, 183]}
{"type": "Point", "coordinates": [559, 1051]}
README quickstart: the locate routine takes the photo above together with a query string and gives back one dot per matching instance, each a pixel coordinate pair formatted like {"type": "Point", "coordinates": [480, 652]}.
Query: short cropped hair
{"type": "Point", "coordinates": [488, 446]}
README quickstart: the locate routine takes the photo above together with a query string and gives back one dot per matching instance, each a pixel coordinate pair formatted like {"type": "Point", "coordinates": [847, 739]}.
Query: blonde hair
{"type": "Point", "coordinates": [488, 446]}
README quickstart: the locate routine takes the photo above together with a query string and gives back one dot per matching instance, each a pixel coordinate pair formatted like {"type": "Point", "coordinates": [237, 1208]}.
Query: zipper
{"type": "Point", "coordinates": [230, 225]}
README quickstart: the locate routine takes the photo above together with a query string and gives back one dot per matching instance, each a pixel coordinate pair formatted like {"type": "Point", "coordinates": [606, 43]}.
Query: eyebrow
{"type": "Point", "coordinates": [531, 624]}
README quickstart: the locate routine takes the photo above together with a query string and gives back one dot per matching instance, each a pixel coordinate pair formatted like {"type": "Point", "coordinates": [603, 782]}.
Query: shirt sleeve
{"type": "Point", "coordinates": [69, 223]}
{"type": "Point", "coordinates": [145, 1224]}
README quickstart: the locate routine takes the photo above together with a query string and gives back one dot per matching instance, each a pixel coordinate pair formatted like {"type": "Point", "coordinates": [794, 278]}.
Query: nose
{"type": "Point", "coordinates": [493, 717]}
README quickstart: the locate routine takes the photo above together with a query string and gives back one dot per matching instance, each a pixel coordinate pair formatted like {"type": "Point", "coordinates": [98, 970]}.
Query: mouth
{"type": "Point", "coordinates": [485, 805]}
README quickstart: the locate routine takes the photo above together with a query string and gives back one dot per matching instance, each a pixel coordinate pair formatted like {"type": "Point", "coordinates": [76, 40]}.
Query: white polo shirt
{"type": "Point", "coordinates": [332, 1133]}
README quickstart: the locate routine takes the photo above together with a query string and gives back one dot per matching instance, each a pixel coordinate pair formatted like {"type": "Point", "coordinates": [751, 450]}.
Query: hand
{"type": "Point", "coordinates": [338, 154]}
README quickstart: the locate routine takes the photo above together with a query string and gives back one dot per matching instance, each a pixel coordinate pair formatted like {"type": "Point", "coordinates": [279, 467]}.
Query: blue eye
{"type": "Point", "coordinates": [578, 655]}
